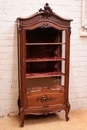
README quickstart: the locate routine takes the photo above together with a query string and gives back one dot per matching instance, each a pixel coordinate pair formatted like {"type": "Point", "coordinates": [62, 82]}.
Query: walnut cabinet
{"type": "Point", "coordinates": [43, 63]}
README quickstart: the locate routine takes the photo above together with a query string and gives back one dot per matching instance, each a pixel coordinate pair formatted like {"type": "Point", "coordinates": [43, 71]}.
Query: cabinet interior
{"type": "Point", "coordinates": [45, 57]}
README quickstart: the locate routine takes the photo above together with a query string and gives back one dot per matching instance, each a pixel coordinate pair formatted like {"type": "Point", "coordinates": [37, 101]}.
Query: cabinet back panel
{"type": "Point", "coordinates": [43, 35]}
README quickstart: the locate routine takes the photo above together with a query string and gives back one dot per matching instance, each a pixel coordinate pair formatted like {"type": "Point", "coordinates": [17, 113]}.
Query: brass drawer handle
{"type": "Point", "coordinates": [45, 99]}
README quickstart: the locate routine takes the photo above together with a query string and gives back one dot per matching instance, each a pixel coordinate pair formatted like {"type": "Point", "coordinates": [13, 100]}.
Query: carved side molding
{"type": "Point", "coordinates": [19, 29]}
{"type": "Point", "coordinates": [70, 31]}
{"type": "Point", "coordinates": [20, 106]}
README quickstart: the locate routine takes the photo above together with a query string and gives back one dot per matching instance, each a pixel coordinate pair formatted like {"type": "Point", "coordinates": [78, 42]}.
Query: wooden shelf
{"type": "Point", "coordinates": [44, 59]}
{"type": "Point", "coordinates": [42, 75]}
{"type": "Point", "coordinates": [37, 89]}
{"type": "Point", "coordinates": [44, 43]}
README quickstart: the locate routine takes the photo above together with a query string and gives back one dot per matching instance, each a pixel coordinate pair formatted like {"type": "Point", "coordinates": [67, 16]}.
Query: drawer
{"type": "Point", "coordinates": [45, 99]}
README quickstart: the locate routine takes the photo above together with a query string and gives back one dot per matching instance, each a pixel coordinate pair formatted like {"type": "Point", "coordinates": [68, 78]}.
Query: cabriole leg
{"type": "Point", "coordinates": [67, 111]}
{"type": "Point", "coordinates": [22, 119]}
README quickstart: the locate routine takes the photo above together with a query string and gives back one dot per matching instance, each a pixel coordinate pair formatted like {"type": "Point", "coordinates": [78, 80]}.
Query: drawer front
{"type": "Point", "coordinates": [45, 99]}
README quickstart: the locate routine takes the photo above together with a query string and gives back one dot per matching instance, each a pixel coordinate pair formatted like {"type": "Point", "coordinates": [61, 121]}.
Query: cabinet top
{"type": "Point", "coordinates": [44, 17]}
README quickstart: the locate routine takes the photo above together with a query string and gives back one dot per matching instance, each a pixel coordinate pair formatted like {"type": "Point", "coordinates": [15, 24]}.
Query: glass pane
{"type": "Point", "coordinates": [49, 82]}
{"type": "Point", "coordinates": [45, 58]}
{"type": "Point", "coordinates": [63, 36]}
{"type": "Point", "coordinates": [43, 67]}
{"type": "Point", "coordinates": [45, 51]}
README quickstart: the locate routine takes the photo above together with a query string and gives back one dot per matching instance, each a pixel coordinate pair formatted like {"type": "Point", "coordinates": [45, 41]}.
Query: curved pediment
{"type": "Point", "coordinates": [44, 18]}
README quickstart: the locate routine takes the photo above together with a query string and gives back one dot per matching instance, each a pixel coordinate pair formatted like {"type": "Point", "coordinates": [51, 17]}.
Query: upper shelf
{"type": "Point", "coordinates": [44, 59]}
{"type": "Point", "coordinates": [44, 43]}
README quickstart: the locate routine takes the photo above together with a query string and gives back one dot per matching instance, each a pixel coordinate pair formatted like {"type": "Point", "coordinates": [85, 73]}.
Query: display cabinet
{"type": "Point", "coordinates": [43, 63]}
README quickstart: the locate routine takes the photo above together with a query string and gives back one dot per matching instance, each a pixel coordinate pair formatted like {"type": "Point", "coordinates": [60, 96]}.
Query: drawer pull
{"type": "Point", "coordinates": [45, 99]}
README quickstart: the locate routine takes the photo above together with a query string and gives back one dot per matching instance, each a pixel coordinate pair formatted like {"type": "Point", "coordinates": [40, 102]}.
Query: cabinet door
{"type": "Point", "coordinates": [45, 58]}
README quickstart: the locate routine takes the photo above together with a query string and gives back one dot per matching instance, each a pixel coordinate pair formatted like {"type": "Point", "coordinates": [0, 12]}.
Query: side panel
{"type": "Point", "coordinates": [22, 66]}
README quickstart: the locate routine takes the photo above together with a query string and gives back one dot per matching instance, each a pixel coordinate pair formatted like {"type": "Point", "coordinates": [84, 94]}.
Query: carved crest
{"type": "Point", "coordinates": [47, 9]}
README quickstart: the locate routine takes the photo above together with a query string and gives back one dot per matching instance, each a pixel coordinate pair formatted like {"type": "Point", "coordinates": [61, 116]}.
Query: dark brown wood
{"type": "Point", "coordinates": [43, 63]}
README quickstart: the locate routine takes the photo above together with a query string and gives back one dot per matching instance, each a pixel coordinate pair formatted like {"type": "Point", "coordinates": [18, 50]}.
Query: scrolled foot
{"type": "Point", "coordinates": [19, 114]}
{"type": "Point", "coordinates": [22, 124]}
{"type": "Point", "coordinates": [67, 111]}
{"type": "Point", "coordinates": [67, 118]}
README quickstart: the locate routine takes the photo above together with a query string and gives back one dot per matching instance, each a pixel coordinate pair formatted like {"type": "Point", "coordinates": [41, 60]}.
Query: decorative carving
{"type": "Point", "coordinates": [67, 104]}
{"type": "Point", "coordinates": [46, 89]}
{"type": "Point", "coordinates": [20, 105]}
{"type": "Point", "coordinates": [47, 14]}
{"type": "Point", "coordinates": [45, 112]}
{"type": "Point", "coordinates": [21, 108]}
{"type": "Point", "coordinates": [18, 23]}
{"type": "Point", "coordinates": [45, 99]}
{"type": "Point", "coordinates": [19, 29]}
{"type": "Point", "coordinates": [45, 17]}
{"type": "Point", "coordinates": [18, 26]}
{"type": "Point", "coordinates": [46, 10]}
{"type": "Point", "coordinates": [45, 25]}
{"type": "Point", "coordinates": [70, 30]}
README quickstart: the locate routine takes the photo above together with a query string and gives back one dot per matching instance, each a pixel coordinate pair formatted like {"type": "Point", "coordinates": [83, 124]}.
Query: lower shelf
{"type": "Point", "coordinates": [47, 74]}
